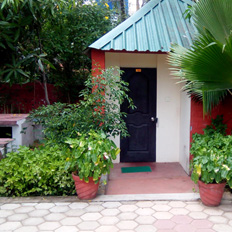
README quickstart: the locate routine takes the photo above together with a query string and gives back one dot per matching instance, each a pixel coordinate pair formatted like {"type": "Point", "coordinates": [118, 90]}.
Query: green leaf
{"type": "Point", "coordinates": [41, 65]}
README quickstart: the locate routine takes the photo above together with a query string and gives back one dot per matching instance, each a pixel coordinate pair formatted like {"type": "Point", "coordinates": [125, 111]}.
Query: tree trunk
{"type": "Point", "coordinates": [43, 72]}
{"type": "Point", "coordinates": [45, 88]}
{"type": "Point", "coordinates": [137, 5]}
{"type": "Point", "coordinates": [123, 12]}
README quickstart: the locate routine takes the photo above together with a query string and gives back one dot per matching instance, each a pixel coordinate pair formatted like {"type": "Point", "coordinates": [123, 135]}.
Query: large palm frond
{"type": "Point", "coordinates": [214, 16]}
{"type": "Point", "coordinates": [206, 68]}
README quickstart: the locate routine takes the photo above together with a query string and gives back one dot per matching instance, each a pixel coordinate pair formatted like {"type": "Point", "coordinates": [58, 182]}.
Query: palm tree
{"type": "Point", "coordinates": [206, 68]}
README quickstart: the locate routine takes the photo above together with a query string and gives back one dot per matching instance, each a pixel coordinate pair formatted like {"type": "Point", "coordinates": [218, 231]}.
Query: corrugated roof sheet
{"type": "Point", "coordinates": [153, 28]}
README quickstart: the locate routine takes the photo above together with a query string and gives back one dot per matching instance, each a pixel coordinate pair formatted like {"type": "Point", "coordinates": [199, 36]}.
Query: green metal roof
{"type": "Point", "coordinates": [153, 28]}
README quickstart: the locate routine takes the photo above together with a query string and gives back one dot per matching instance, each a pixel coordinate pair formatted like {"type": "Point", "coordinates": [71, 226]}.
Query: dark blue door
{"type": "Point", "coordinates": [141, 122]}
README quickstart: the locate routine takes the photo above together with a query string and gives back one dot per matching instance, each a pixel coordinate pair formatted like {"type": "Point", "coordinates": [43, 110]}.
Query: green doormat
{"type": "Point", "coordinates": [136, 169]}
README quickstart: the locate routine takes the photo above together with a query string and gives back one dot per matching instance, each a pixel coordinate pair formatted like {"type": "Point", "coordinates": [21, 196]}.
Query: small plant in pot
{"type": "Point", "coordinates": [212, 162]}
{"type": "Point", "coordinates": [87, 125]}
{"type": "Point", "coordinates": [90, 155]}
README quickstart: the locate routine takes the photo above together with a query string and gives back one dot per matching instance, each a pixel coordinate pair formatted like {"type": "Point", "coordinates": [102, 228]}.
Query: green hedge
{"type": "Point", "coordinates": [35, 172]}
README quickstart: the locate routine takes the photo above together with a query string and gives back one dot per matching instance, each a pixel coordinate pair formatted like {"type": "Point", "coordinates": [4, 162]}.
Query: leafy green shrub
{"type": "Point", "coordinates": [99, 109]}
{"type": "Point", "coordinates": [214, 138]}
{"type": "Point", "coordinates": [212, 151]}
{"type": "Point", "coordinates": [216, 126]}
{"type": "Point", "coordinates": [35, 172]}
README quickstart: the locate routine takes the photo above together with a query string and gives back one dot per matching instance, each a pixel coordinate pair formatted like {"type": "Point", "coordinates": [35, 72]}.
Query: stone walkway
{"type": "Point", "coordinates": [123, 216]}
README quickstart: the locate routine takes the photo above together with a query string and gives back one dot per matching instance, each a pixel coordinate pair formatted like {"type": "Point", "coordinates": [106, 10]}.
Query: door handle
{"type": "Point", "coordinates": [154, 119]}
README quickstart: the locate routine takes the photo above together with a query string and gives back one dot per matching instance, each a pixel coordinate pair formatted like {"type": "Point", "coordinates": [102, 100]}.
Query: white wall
{"type": "Point", "coordinates": [168, 102]}
{"type": "Point", "coordinates": [20, 138]}
{"type": "Point", "coordinates": [185, 131]}
{"type": "Point", "coordinates": [168, 113]}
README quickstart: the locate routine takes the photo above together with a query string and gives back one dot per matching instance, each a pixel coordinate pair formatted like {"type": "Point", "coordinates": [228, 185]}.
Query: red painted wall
{"type": "Point", "coordinates": [198, 123]}
{"type": "Point", "coordinates": [24, 98]}
{"type": "Point", "coordinates": [98, 61]}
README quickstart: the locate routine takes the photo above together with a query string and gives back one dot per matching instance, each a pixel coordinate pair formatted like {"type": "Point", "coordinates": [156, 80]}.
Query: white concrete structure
{"type": "Point", "coordinates": [23, 131]}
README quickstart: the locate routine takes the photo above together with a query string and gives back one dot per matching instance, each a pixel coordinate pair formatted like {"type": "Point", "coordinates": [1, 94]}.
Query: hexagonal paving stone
{"type": "Point", "coordinates": [182, 219]}
{"type": "Point", "coordinates": [62, 203]}
{"type": "Point", "coordinates": [78, 205]}
{"type": "Point", "coordinates": [145, 228]}
{"type": "Point", "coordinates": [107, 229]}
{"type": "Point", "coordinates": [127, 225]}
{"type": "Point", "coordinates": [128, 202]}
{"type": "Point", "coordinates": [67, 229]}
{"type": "Point", "coordinates": [145, 220]}
{"type": "Point", "coordinates": [85, 231]}
{"type": "Point", "coordinates": [128, 208]}
{"type": "Point", "coordinates": [54, 217]}
{"type": "Point", "coordinates": [161, 202]}
{"type": "Point", "coordinates": [39, 213]}
{"type": "Point", "coordinates": [10, 206]}
{"type": "Point", "coordinates": [110, 212]}
{"type": "Point", "coordinates": [163, 215]}
{"type": "Point", "coordinates": [213, 211]}
{"type": "Point", "coordinates": [198, 215]}
{"type": "Point", "coordinates": [24, 209]}
{"type": "Point", "coordinates": [127, 216]}
{"type": "Point", "coordinates": [177, 204]}
{"type": "Point", "coordinates": [27, 229]}
{"type": "Point", "coordinates": [222, 228]}
{"type": "Point", "coordinates": [179, 211]}
{"type": "Point", "coordinates": [29, 204]}
{"type": "Point", "coordinates": [59, 209]}
{"type": "Point", "coordinates": [144, 204]}
{"type": "Point", "coordinates": [164, 224]}
{"type": "Point", "coordinates": [88, 225]}
{"type": "Point", "coordinates": [33, 221]}
{"type": "Point", "coordinates": [91, 216]}
{"type": "Point", "coordinates": [49, 226]}
{"type": "Point", "coordinates": [163, 208]}
{"type": "Point", "coordinates": [217, 219]}
{"type": "Point", "coordinates": [111, 204]}
{"type": "Point", "coordinates": [194, 207]}
{"type": "Point", "coordinates": [2, 220]}
{"type": "Point", "coordinates": [94, 208]}
{"type": "Point", "coordinates": [17, 217]}
{"type": "Point", "coordinates": [70, 221]}
{"type": "Point", "coordinates": [230, 222]}
{"type": "Point", "coordinates": [5, 213]}
{"type": "Point", "coordinates": [108, 220]}
{"type": "Point", "coordinates": [10, 226]}
{"type": "Point", "coordinates": [94, 202]}
{"type": "Point", "coordinates": [227, 215]}
{"type": "Point", "coordinates": [126, 230]}
{"type": "Point", "coordinates": [44, 205]}
{"type": "Point", "coordinates": [202, 224]}
{"type": "Point", "coordinates": [184, 228]}
{"type": "Point", "coordinates": [226, 208]}
{"type": "Point", "coordinates": [205, 230]}
{"type": "Point", "coordinates": [144, 211]}
{"type": "Point", "coordinates": [75, 212]}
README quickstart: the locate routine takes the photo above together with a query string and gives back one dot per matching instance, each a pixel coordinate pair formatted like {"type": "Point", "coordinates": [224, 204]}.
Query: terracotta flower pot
{"type": "Point", "coordinates": [211, 194]}
{"type": "Point", "coordinates": [85, 191]}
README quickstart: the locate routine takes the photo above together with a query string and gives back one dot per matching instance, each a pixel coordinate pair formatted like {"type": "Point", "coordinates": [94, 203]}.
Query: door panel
{"type": "Point", "coordinates": [140, 146]}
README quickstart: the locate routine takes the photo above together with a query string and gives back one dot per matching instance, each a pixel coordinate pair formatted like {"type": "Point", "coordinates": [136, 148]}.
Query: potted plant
{"type": "Point", "coordinates": [212, 162]}
{"type": "Point", "coordinates": [87, 125]}
{"type": "Point", "coordinates": [90, 155]}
